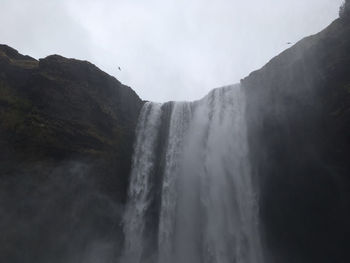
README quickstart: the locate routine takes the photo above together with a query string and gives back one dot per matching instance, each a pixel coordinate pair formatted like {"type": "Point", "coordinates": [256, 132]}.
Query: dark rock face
{"type": "Point", "coordinates": [299, 130]}
{"type": "Point", "coordinates": [66, 140]}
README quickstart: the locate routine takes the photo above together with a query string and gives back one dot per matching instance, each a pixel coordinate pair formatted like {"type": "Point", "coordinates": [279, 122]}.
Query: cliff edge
{"type": "Point", "coordinates": [298, 115]}
{"type": "Point", "coordinates": [66, 142]}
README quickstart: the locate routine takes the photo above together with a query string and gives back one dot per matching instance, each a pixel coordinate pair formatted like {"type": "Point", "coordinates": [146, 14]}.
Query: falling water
{"type": "Point", "coordinates": [191, 196]}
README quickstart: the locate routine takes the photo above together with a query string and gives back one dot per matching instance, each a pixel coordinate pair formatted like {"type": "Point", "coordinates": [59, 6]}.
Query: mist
{"type": "Point", "coordinates": [58, 214]}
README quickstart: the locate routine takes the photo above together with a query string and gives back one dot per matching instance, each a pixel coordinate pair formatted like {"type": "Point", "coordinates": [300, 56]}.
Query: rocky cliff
{"type": "Point", "coordinates": [66, 140]}
{"type": "Point", "coordinates": [299, 129]}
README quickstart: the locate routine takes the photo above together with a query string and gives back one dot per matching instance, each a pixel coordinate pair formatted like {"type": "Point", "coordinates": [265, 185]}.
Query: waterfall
{"type": "Point", "coordinates": [191, 195]}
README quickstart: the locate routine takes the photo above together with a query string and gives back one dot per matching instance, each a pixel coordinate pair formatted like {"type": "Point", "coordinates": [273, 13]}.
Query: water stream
{"type": "Point", "coordinates": [191, 195]}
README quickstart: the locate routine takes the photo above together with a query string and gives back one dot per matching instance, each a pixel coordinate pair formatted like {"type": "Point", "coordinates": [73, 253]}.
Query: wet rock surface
{"type": "Point", "coordinates": [298, 108]}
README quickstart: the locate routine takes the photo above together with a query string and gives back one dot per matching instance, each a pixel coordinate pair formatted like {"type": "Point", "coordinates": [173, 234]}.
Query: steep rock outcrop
{"type": "Point", "coordinates": [66, 140]}
{"type": "Point", "coordinates": [299, 130]}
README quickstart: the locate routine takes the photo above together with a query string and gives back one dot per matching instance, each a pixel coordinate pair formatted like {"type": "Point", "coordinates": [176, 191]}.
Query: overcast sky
{"type": "Point", "coordinates": [167, 49]}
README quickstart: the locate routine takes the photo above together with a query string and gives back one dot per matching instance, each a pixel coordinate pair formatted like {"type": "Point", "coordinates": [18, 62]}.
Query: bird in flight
{"type": "Point", "coordinates": [289, 43]}
{"type": "Point", "coordinates": [119, 69]}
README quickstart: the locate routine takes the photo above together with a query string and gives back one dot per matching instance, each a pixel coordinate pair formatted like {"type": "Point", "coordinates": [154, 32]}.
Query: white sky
{"type": "Point", "coordinates": [167, 49]}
